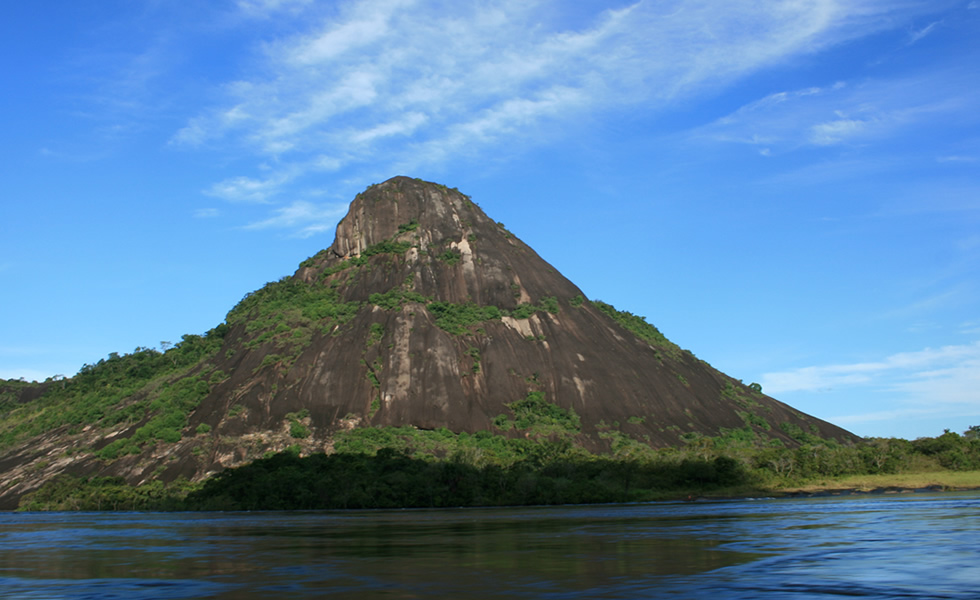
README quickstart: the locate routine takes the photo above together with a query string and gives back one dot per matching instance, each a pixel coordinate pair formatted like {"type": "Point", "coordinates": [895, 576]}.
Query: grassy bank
{"type": "Point", "coordinates": [943, 480]}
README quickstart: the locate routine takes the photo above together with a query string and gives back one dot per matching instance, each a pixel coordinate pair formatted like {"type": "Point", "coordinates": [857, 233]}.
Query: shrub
{"type": "Point", "coordinates": [394, 298]}
{"type": "Point", "coordinates": [298, 430]}
{"type": "Point", "coordinates": [474, 353]}
{"type": "Point", "coordinates": [550, 304]}
{"type": "Point", "coordinates": [637, 325]}
{"type": "Point", "coordinates": [386, 247]}
{"type": "Point", "coordinates": [375, 333]}
{"type": "Point", "coordinates": [537, 414]}
{"type": "Point", "coordinates": [451, 256]}
{"type": "Point", "coordinates": [458, 318]}
{"type": "Point", "coordinates": [410, 226]}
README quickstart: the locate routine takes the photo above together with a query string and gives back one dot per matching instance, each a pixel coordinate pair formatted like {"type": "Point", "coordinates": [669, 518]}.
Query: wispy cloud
{"type": "Point", "coordinates": [850, 420]}
{"type": "Point", "coordinates": [953, 380]}
{"type": "Point", "coordinates": [268, 8]}
{"type": "Point", "coordinates": [248, 189]}
{"type": "Point", "coordinates": [957, 295]}
{"type": "Point", "coordinates": [847, 113]}
{"type": "Point", "coordinates": [958, 159]}
{"type": "Point", "coordinates": [969, 243]}
{"type": "Point", "coordinates": [917, 35]}
{"type": "Point", "coordinates": [207, 213]}
{"type": "Point", "coordinates": [120, 78]}
{"type": "Point", "coordinates": [955, 364]}
{"type": "Point", "coordinates": [302, 217]}
{"type": "Point", "coordinates": [414, 83]}
{"type": "Point", "coordinates": [838, 130]}
{"type": "Point", "coordinates": [970, 328]}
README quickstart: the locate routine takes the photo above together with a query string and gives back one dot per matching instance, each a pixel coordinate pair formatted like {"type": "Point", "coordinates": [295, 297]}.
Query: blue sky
{"type": "Point", "coordinates": [790, 189]}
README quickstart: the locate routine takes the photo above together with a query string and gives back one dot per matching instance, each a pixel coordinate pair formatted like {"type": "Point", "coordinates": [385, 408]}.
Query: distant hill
{"type": "Point", "coordinates": [424, 312]}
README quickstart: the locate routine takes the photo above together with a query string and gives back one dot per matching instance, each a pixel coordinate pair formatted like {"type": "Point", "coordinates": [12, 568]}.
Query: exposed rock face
{"type": "Point", "coordinates": [423, 312]}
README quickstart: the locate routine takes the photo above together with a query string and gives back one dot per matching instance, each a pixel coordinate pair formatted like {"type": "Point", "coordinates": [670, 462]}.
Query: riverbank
{"type": "Point", "coordinates": [287, 481]}
{"type": "Point", "coordinates": [948, 481]}
{"type": "Point", "coordinates": [888, 483]}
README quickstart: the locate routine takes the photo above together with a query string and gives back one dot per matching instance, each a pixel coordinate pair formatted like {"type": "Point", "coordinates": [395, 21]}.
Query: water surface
{"type": "Point", "coordinates": [883, 546]}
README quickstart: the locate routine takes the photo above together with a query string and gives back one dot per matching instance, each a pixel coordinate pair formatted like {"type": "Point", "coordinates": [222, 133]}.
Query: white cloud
{"type": "Point", "coordinates": [193, 134]}
{"type": "Point", "coordinates": [884, 415]}
{"type": "Point", "coordinates": [905, 370]}
{"type": "Point", "coordinates": [404, 126]}
{"type": "Point", "coordinates": [915, 36]}
{"type": "Point", "coordinates": [970, 328]}
{"type": "Point", "coordinates": [366, 23]}
{"type": "Point", "coordinates": [206, 213]}
{"type": "Point", "coordinates": [305, 218]}
{"type": "Point", "coordinates": [934, 385]}
{"type": "Point", "coordinates": [957, 295]}
{"type": "Point", "coordinates": [268, 8]}
{"type": "Point", "coordinates": [397, 85]}
{"type": "Point", "coordinates": [247, 189]}
{"type": "Point", "coordinates": [848, 113]}
{"type": "Point", "coordinates": [956, 382]}
{"type": "Point", "coordinates": [834, 132]}
{"type": "Point", "coordinates": [453, 72]}
{"type": "Point", "coordinates": [958, 159]}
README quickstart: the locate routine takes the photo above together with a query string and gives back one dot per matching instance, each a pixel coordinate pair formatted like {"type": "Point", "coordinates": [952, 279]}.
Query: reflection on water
{"type": "Point", "coordinates": [918, 546]}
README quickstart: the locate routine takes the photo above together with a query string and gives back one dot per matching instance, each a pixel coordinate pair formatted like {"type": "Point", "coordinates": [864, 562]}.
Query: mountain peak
{"type": "Point", "coordinates": [423, 313]}
{"type": "Point", "coordinates": [474, 320]}
{"type": "Point", "coordinates": [458, 252]}
{"type": "Point", "coordinates": [394, 208]}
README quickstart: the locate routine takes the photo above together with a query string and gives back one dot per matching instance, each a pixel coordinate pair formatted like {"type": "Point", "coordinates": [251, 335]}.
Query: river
{"type": "Point", "coordinates": [868, 546]}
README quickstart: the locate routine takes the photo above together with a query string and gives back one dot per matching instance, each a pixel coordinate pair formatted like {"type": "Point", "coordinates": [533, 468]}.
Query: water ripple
{"type": "Point", "coordinates": [911, 546]}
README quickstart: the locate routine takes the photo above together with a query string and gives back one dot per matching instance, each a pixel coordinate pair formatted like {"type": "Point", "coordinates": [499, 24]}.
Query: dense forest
{"type": "Point", "coordinates": [405, 467]}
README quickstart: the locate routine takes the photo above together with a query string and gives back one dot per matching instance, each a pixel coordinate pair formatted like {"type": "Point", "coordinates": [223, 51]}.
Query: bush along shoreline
{"type": "Point", "coordinates": [403, 467]}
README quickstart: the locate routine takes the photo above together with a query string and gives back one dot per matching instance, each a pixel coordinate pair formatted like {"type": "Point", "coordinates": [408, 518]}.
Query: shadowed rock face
{"type": "Point", "coordinates": [424, 312]}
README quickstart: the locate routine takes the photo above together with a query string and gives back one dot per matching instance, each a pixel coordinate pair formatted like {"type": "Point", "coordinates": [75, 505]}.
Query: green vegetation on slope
{"type": "Point", "coordinates": [170, 409]}
{"type": "Point", "coordinates": [69, 492]}
{"type": "Point", "coordinates": [395, 298]}
{"type": "Point", "coordinates": [120, 389]}
{"type": "Point", "coordinates": [539, 417]}
{"type": "Point", "coordinates": [279, 309]}
{"type": "Point", "coordinates": [161, 389]}
{"type": "Point", "coordinates": [637, 325]}
{"type": "Point", "coordinates": [458, 318]}
{"type": "Point", "coordinates": [144, 388]}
